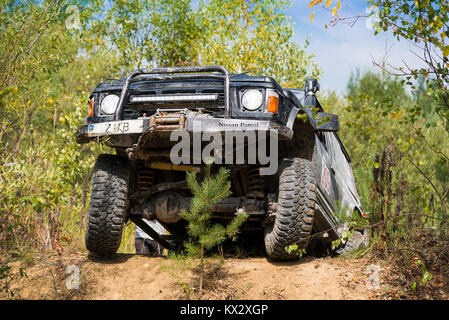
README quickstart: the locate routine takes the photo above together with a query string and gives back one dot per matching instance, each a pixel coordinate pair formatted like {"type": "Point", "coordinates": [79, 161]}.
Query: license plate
{"type": "Point", "coordinates": [115, 127]}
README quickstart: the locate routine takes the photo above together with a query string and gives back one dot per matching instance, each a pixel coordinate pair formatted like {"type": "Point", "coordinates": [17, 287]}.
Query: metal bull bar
{"type": "Point", "coordinates": [162, 74]}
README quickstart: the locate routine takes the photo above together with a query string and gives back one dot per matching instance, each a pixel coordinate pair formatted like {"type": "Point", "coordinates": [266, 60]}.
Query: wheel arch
{"type": "Point", "coordinates": [302, 144]}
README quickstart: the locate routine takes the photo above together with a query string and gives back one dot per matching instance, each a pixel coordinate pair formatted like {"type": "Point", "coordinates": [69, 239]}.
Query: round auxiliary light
{"type": "Point", "coordinates": [252, 99]}
{"type": "Point", "coordinates": [109, 103]}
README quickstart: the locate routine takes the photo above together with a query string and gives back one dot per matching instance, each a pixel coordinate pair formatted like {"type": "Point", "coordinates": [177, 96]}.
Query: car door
{"type": "Point", "coordinates": [346, 193]}
{"type": "Point", "coordinates": [326, 181]}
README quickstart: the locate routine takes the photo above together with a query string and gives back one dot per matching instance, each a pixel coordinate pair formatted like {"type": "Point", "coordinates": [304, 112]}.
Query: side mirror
{"type": "Point", "coordinates": [312, 86]}
{"type": "Point", "coordinates": [327, 122]}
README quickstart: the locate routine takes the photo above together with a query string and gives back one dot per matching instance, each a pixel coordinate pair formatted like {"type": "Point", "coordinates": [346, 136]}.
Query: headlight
{"type": "Point", "coordinates": [252, 99]}
{"type": "Point", "coordinates": [109, 103]}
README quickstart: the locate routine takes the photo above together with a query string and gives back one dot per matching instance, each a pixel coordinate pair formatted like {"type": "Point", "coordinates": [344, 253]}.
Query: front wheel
{"type": "Point", "coordinates": [295, 209]}
{"type": "Point", "coordinates": [108, 205]}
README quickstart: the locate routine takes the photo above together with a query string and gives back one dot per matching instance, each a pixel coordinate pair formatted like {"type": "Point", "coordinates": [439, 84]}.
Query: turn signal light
{"type": "Point", "coordinates": [90, 110]}
{"type": "Point", "coordinates": [273, 101]}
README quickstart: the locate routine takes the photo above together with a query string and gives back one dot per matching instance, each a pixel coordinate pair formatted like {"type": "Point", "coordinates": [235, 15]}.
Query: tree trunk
{"type": "Point", "coordinates": [201, 268]}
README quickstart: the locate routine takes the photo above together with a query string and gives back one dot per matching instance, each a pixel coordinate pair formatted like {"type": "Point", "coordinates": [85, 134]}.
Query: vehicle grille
{"type": "Point", "coordinates": [133, 110]}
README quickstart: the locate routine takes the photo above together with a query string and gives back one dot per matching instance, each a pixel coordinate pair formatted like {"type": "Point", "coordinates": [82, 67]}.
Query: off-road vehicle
{"type": "Point", "coordinates": [138, 116]}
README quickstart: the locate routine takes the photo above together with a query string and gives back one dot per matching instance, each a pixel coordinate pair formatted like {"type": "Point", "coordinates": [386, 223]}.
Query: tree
{"type": "Point", "coordinates": [48, 71]}
{"type": "Point", "coordinates": [382, 115]}
{"type": "Point", "coordinates": [425, 23]}
{"type": "Point", "coordinates": [150, 33]}
{"type": "Point", "coordinates": [254, 36]}
{"type": "Point", "coordinates": [205, 236]}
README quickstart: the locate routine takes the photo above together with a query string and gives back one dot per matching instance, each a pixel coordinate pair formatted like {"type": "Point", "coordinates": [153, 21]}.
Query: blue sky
{"type": "Point", "coordinates": [342, 49]}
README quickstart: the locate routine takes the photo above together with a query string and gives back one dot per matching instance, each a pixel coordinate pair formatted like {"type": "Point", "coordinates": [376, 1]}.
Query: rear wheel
{"type": "Point", "coordinates": [295, 209]}
{"type": "Point", "coordinates": [108, 205]}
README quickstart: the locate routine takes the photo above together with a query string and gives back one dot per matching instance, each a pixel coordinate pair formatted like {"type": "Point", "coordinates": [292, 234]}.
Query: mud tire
{"type": "Point", "coordinates": [295, 209]}
{"type": "Point", "coordinates": [108, 205]}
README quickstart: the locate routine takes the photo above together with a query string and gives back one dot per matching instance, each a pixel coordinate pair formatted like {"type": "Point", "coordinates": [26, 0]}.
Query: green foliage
{"type": "Point", "coordinates": [426, 275]}
{"type": "Point", "coordinates": [345, 236]}
{"type": "Point", "coordinates": [203, 234]}
{"type": "Point", "coordinates": [254, 36]}
{"type": "Point", "coordinates": [48, 71]}
{"type": "Point", "coordinates": [205, 196]}
{"type": "Point", "coordinates": [294, 248]}
{"type": "Point", "coordinates": [399, 155]}
{"type": "Point", "coordinates": [44, 177]}
{"type": "Point", "coordinates": [150, 32]}
{"type": "Point", "coordinates": [6, 278]}
{"type": "Point", "coordinates": [351, 223]}
{"type": "Point", "coordinates": [425, 23]}
{"type": "Point", "coordinates": [188, 292]}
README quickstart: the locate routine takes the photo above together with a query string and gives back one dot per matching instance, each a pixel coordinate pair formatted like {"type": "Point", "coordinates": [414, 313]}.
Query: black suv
{"type": "Point", "coordinates": [291, 196]}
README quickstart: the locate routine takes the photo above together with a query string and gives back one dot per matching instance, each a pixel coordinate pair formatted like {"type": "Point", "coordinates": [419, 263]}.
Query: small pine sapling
{"type": "Point", "coordinates": [203, 234]}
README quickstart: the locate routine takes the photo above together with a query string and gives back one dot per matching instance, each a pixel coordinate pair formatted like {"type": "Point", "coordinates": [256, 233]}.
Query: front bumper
{"type": "Point", "coordinates": [167, 123]}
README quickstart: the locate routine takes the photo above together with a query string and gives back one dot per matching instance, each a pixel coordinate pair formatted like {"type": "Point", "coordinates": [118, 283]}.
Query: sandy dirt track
{"type": "Point", "coordinates": [130, 276]}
